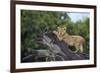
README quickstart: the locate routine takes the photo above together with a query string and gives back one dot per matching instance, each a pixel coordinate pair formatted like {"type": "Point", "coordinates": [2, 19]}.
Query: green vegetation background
{"type": "Point", "coordinates": [34, 23]}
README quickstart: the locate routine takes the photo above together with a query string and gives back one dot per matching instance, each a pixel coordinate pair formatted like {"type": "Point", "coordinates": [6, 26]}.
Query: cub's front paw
{"type": "Point", "coordinates": [55, 32]}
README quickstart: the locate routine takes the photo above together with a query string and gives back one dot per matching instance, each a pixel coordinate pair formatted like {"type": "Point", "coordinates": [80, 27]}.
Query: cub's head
{"type": "Point", "coordinates": [62, 29]}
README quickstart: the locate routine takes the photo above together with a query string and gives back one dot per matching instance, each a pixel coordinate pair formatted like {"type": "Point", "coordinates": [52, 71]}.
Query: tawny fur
{"type": "Point", "coordinates": [71, 40]}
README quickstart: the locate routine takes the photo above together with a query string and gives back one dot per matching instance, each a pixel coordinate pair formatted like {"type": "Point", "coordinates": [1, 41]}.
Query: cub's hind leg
{"type": "Point", "coordinates": [76, 48]}
{"type": "Point", "coordinates": [81, 48]}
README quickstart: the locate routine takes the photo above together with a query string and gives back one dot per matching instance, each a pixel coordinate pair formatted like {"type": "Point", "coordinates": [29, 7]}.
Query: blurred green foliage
{"type": "Point", "coordinates": [35, 23]}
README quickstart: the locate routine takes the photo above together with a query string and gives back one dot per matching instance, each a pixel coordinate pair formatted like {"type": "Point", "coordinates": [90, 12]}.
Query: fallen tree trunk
{"type": "Point", "coordinates": [57, 50]}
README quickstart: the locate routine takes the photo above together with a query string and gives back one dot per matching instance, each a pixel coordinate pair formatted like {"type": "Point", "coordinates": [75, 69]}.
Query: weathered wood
{"type": "Point", "coordinates": [36, 54]}
{"type": "Point", "coordinates": [54, 49]}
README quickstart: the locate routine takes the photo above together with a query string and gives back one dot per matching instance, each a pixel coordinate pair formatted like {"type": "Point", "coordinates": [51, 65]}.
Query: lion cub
{"type": "Point", "coordinates": [71, 40]}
